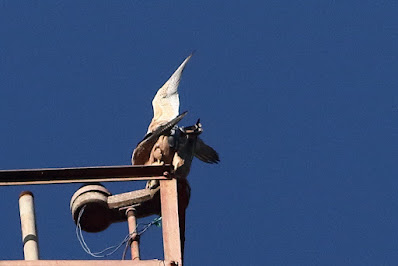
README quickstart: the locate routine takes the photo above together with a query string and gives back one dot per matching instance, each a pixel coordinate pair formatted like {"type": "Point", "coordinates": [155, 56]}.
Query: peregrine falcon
{"type": "Point", "coordinates": [166, 142]}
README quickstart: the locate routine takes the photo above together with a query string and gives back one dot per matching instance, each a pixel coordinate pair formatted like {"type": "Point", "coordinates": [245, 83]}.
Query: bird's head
{"type": "Point", "coordinates": [193, 130]}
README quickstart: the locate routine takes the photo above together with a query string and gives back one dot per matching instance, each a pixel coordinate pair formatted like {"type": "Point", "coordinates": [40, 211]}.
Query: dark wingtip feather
{"type": "Point", "coordinates": [205, 153]}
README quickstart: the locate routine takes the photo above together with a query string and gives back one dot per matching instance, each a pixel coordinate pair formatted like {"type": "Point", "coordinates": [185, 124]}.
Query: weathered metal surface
{"type": "Point", "coordinates": [89, 188]}
{"type": "Point", "coordinates": [146, 202]}
{"type": "Point", "coordinates": [83, 174]}
{"type": "Point", "coordinates": [184, 192]}
{"type": "Point", "coordinates": [170, 221]}
{"type": "Point", "coordinates": [101, 208]}
{"type": "Point", "coordinates": [129, 198]}
{"type": "Point", "coordinates": [134, 244]}
{"type": "Point", "coordinates": [96, 215]}
{"type": "Point", "coordinates": [28, 226]}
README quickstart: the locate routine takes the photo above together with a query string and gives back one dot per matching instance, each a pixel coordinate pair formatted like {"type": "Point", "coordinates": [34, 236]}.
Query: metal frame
{"type": "Point", "coordinates": [168, 196]}
{"type": "Point", "coordinates": [83, 174]}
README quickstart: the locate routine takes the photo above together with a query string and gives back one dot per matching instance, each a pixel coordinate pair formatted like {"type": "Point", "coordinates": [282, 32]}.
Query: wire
{"type": "Point", "coordinates": [156, 221]}
{"type": "Point", "coordinates": [125, 241]}
{"type": "Point", "coordinates": [99, 254]}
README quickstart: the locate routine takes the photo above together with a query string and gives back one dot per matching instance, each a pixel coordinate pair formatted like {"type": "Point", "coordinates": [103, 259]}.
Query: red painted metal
{"type": "Point", "coordinates": [170, 221]}
{"type": "Point", "coordinates": [132, 223]}
{"type": "Point", "coordinates": [184, 191]}
{"type": "Point", "coordinates": [173, 213]}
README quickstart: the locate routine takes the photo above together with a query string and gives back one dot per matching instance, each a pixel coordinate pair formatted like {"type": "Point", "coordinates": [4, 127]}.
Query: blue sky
{"type": "Point", "coordinates": [298, 97]}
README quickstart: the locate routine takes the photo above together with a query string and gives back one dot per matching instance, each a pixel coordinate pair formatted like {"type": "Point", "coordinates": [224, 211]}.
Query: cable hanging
{"type": "Point", "coordinates": [112, 249]}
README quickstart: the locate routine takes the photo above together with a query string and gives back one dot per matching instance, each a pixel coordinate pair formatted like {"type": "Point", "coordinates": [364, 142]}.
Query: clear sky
{"type": "Point", "coordinates": [299, 98]}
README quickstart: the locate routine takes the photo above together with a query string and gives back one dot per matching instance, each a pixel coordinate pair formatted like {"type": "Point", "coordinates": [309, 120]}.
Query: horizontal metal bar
{"type": "Point", "coordinates": [84, 174]}
{"type": "Point", "coordinates": [84, 262]}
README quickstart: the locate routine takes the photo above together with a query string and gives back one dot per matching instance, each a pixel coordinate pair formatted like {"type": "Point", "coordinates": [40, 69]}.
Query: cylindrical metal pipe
{"type": "Point", "coordinates": [134, 244]}
{"type": "Point", "coordinates": [28, 226]}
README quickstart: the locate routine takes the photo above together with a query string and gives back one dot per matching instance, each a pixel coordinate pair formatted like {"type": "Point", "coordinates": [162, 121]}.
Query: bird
{"type": "Point", "coordinates": [167, 143]}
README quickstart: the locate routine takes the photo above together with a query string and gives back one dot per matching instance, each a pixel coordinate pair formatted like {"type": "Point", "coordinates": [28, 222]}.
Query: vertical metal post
{"type": "Point", "coordinates": [184, 192]}
{"type": "Point", "coordinates": [170, 221]}
{"type": "Point", "coordinates": [132, 222]}
{"type": "Point", "coordinates": [28, 226]}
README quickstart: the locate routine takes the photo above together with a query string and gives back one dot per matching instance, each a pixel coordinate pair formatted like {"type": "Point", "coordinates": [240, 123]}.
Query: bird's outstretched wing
{"type": "Point", "coordinates": [142, 152]}
{"type": "Point", "coordinates": [166, 103]}
{"type": "Point", "coordinates": [167, 144]}
{"type": "Point", "coordinates": [205, 153]}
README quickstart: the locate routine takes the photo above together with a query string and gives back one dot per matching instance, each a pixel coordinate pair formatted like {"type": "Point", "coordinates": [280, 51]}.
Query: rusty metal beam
{"type": "Point", "coordinates": [129, 198]}
{"type": "Point", "coordinates": [85, 263]}
{"type": "Point", "coordinates": [170, 221]}
{"type": "Point", "coordinates": [84, 174]}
